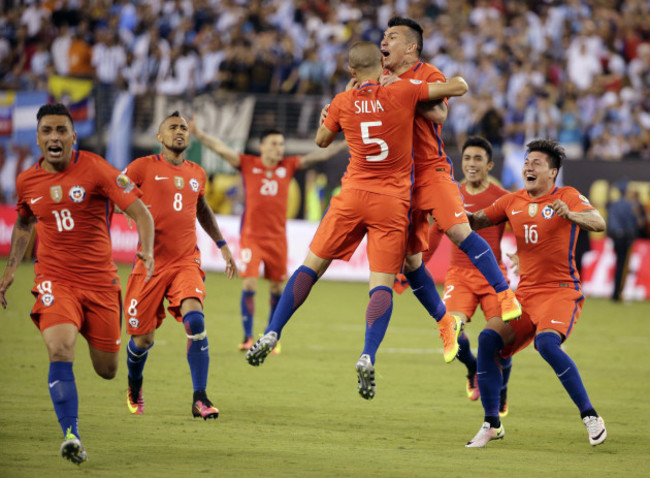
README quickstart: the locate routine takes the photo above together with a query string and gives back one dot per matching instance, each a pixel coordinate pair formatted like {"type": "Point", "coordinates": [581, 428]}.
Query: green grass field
{"type": "Point", "coordinates": [299, 414]}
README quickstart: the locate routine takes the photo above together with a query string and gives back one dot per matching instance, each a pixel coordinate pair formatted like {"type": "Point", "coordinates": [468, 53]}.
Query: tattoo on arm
{"type": "Point", "coordinates": [207, 220]}
{"type": "Point", "coordinates": [479, 220]}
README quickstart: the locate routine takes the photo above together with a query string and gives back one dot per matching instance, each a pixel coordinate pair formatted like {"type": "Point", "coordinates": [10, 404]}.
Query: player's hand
{"type": "Point", "coordinates": [147, 260]}
{"type": "Point", "coordinates": [515, 262]}
{"type": "Point", "coordinates": [5, 282]}
{"type": "Point", "coordinates": [561, 209]}
{"type": "Point", "coordinates": [191, 125]}
{"type": "Point", "coordinates": [353, 83]}
{"type": "Point", "coordinates": [231, 265]}
{"type": "Point", "coordinates": [388, 79]}
{"type": "Point", "coordinates": [323, 114]}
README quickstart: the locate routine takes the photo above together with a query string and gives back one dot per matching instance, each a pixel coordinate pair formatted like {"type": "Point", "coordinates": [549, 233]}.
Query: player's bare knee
{"type": "Point", "coordinates": [143, 341]}
{"type": "Point", "coordinates": [458, 233]}
{"type": "Point", "coordinates": [60, 352]}
{"type": "Point", "coordinates": [412, 262]}
{"type": "Point", "coordinates": [106, 371]}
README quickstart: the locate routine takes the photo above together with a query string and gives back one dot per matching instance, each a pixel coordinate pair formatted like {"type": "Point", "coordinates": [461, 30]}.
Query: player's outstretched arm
{"type": "Point", "coordinates": [20, 237]}
{"type": "Point", "coordinates": [214, 144]}
{"type": "Point", "coordinates": [324, 136]}
{"type": "Point", "coordinates": [208, 222]}
{"type": "Point", "coordinates": [589, 220]}
{"type": "Point", "coordinates": [323, 154]}
{"type": "Point", "coordinates": [144, 222]}
{"type": "Point", "coordinates": [478, 220]}
{"type": "Point", "coordinates": [455, 86]}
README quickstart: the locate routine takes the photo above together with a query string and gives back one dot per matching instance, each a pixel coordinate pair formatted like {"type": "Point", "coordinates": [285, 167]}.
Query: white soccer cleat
{"type": "Point", "coordinates": [72, 449]}
{"type": "Point", "coordinates": [596, 429]}
{"type": "Point", "coordinates": [366, 377]}
{"type": "Point", "coordinates": [485, 435]}
{"type": "Point", "coordinates": [262, 348]}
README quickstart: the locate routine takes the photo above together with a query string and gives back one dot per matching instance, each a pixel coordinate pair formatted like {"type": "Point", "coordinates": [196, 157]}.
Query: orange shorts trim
{"type": "Point", "coordinates": [466, 289]}
{"type": "Point", "coordinates": [442, 199]}
{"type": "Point", "coordinates": [272, 252]}
{"type": "Point", "coordinates": [354, 213]}
{"type": "Point", "coordinates": [144, 301]}
{"type": "Point", "coordinates": [97, 314]}
{"type": "Point", "coordinates": [556, 308]}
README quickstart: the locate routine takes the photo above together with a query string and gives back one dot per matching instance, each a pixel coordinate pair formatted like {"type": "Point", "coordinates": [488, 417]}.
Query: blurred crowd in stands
{"type": "Point", "coordinates": [575, 70]}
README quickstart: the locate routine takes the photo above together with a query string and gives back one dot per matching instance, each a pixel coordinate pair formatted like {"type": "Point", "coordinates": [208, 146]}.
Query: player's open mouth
{"type": "Point", "coordinates": [55, 151]}
{"type": "Point", "coordinates": [385, 53]}
{"type": "Point", "coordinates": [531, 179]}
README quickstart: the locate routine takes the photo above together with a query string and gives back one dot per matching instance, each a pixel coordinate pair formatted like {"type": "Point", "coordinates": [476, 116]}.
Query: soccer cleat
{"type": "Point", "coordinates": [473, 393]}
{"type": "Point", "coordinates": [72, 449]}
{"type": "Point", "coordinates": [503, 403]}
{"type": "Point", "coordinates": [485, 435]}
{"type": "Point", "coordinates": [136, 407]}
{"type": "Point", "coordinates": [246, 344]}
{"type": "Point", "coordinates": [203, 408]}
{"type": "Point", "coordinates": [277, 349]}
{"type": "Point", "coordinates": [261, 349]}
{"type": "Point", "coordinates": [596, 429]}
{"type": "Point", "coordinates": [450, 329]}
{"type": "Point", "coordinates": [366, 377]}
{"type": "Point", "coordinates": [510, 306]}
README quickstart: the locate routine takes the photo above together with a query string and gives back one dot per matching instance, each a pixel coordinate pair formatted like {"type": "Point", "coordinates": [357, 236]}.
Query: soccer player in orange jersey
{"type": "Point", "coordinates": [70, 196]}
{"type": "Point", "coordinates": [435, 192]}
{"type": "Point", "coordinates": [263, 225]}
{"type": "Point", "coordinates": [174, 191]}
{"type": "Point", "coordinates": [465, 287]}
{"type": "Point", "coordinates": [374, 199]}
{"type": "Point", "coordinates": [545, 220]}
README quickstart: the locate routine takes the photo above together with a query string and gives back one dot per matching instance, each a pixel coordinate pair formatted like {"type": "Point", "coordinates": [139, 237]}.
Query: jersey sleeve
{"type": "Point", "coordinates": [135, 172]}
{"type": "Point", "coordinates": [497, 211]}
{"type": "Point", "coordinates": [576, 201]}
{"type": "Point", "coordinates": [333, 115]}
{"type": "Point", "coordinates": [116, 186]}
{"type": "Point", "coordinates": [21, 206]}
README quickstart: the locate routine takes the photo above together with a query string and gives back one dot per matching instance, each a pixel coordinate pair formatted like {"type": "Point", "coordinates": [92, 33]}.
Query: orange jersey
{"type": "Point", "coordinates": [492, 235]}
{"type": "Point", "coordinates": [266, 195]}
{"type": "Point", "coordinates": [545, 242]}
{"type": "Point", "coordinates": [428, 147]}
{"type": "Point", "coordinates": [374, 119]}
{"type": "Point", "coordinates": [171, 194]}
{"type": "Point", "coordinates": [73, 210]}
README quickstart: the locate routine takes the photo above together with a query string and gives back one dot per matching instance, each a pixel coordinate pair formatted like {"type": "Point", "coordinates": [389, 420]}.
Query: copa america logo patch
{"type": "Point", "coordinates": [125, 183]}
{"type": "Point", "coordinates": [281, 172]}
{"type": "Point", "coordinates": [47, 299]}
{"type": "Point", "coordinates": [133, 322]}
{"type": "Point", "coordinates": [584, 200]}
{"type": "Point", "coordinates": [77, 193]}
{"type": "Point", "coordinates": [416, 82]}
{"type": "Point", "coordinates": [194, 184]}
{"type": "Point", "coordinates": [547, 212]}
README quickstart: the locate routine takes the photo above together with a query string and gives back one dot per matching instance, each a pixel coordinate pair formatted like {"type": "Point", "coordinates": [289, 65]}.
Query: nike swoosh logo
{"type": "Point", "coordinates": [52, 384]}
{"type": "Point", "coordinates": [556, 322]}
{"type": "Point", "coordinates": [468, 205]}
{"type": "Point", "coordinates": [198, 290]}
{"type": "Point", "coordinates": [458, 214]}
{"type": "Point", "coordinates": [480, 373]}
{"type": "Point", "coordinates": [203, 349]}
{"type": "Point", "coordinates": [484, 252]}
{"type": "Point", "coordinates": [516, 212]}
{"type": "Point", "coordinates": [160, 178]}
{"type": "Point", "coordinates": [560, 374]}
{"type": "Point", "coordinates": [256, 170]}
{"type": "Point", "coordinates": [35, 200]}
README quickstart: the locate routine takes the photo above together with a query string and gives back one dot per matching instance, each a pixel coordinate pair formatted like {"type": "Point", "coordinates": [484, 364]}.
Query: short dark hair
{"type": "Point", "coordinates": [413, 25]}
{"type": "Point", "coordinates": [479, 142]}
{"type": "Point", "coordinates": [175, 114]}
{"type": "Point", "coordinates": [269, 132]}
{"type": "Point", "coordinates": [53, 109]}
{"type": "Point", "coordinates": [550, 148]}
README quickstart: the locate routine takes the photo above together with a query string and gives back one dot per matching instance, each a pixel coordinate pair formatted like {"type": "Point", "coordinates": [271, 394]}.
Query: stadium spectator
{"type": "Point", "coordinates": [174, 190]}
{"type": "Point", "coordinates": [263, 225]}
{"type": "Point", "coordinates": [624, 220]}
{"type": "Point", "coordinates": [465, 287]}
{"type": "Point", "coordinates": [68, 197]}
{"type": "Point", "coordinates": [373, 202]}
{"type": "Point", "coordinates": [435, 193]}
{"type": "Point", "coordinates": [544, 219]}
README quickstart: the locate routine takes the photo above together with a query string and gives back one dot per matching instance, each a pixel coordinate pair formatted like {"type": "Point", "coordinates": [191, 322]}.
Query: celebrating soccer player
{"type": "Point", "coordinates": [374, 199]}
{"type": "Point", "coordinates": [435, 192]}
{"type": "Point", "coordinates": [70, 195]}
{"type": "Point", "coordinates": [545, 220]}
{"type": "Point", "coordinates": [174, 191]}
